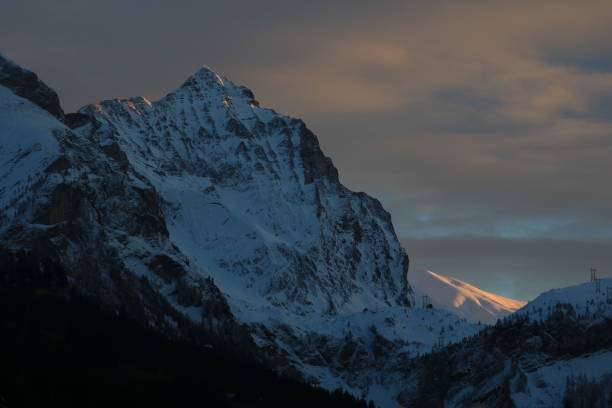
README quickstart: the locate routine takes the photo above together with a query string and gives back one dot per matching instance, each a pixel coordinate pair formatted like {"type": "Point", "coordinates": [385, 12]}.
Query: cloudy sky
{"type": "Point", "coordinates": [484, 127]}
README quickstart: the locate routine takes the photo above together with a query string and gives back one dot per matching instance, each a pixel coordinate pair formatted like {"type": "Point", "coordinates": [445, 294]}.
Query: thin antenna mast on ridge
{"type": "Point", "coordinates": [426, 302]}
{"type": "Point", "coordinates": [595, 279]}
{"type": "Point", "coordinates": [597, 285]}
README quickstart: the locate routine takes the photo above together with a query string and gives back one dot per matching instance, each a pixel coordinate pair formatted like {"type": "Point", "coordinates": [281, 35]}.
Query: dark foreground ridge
{"type": "Point", "coordinates": [62, 350]}
{"type": "Point", "coordinates": [493, 364]}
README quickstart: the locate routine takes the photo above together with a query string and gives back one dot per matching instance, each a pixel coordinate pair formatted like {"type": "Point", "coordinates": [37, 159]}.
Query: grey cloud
{"type": "Point", "coordinates": [589, 61]}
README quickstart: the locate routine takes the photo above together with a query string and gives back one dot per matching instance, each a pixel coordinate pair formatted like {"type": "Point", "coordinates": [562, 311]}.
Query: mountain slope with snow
{"type": "Point", "coordinates": [251, 200]}
{"type": "Point", "coordinates": [584, 299]}
{"type": "Point", "coordinates": [29, 147]}
{"type": "Point", "coordinates": [204, 210]}
{"type": "Point", "coordinates": [461, 298]}
{"type": "Point", "coordinates": [528, 359]}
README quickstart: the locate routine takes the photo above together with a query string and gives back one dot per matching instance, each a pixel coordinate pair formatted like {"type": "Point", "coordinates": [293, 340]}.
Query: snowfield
{"type": "Point", "coordinates": [546, 385]}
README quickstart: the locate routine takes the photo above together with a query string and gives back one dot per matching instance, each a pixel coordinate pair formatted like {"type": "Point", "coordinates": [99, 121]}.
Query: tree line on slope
{"type": "Point", "coordinates": [61, 348]}
{"type": "Point", "coordinates": [515, 343]}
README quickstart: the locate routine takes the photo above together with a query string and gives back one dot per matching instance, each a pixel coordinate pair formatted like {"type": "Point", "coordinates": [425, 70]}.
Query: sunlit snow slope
{"type": "Point", "coordinates": [462, 298]}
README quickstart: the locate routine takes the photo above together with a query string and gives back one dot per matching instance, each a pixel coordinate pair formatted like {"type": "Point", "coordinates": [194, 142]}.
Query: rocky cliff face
{"type": "Point", "coordinates": [202, 208]}
{"type": "Point", "coordinates": [249, 198]}
{"type": "Point", "coordinates": [26, 84]}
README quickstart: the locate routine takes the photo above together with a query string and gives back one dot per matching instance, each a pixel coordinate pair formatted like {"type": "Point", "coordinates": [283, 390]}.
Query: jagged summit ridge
{"type": "Point", "coordinates": [206, 80]}
{"type": "Point", "coordinates": [207, 84]}
{"type": "Point", "coordinates": [204, 75]}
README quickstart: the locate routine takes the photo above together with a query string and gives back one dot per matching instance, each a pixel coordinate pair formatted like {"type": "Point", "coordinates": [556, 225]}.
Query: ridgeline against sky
{"type": "Point", "coordinates": [485, 128]}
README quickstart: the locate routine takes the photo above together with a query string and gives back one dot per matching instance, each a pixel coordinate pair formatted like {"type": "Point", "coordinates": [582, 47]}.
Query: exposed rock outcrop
{"type": "Point", "coordinates": [27, 85]}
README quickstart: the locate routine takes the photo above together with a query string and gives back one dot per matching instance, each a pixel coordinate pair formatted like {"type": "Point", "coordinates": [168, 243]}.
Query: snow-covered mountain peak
{"type": "Point", "coordinates": [461, 298]}
{"type": "Point", "coordinates": [208, 86]}
{"type": "Point", "coordinates": [251, 200]}
{"type": "Point", "coordinates": [206, 76]}
{"type": "Point", "coordinates": [203, 206]}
